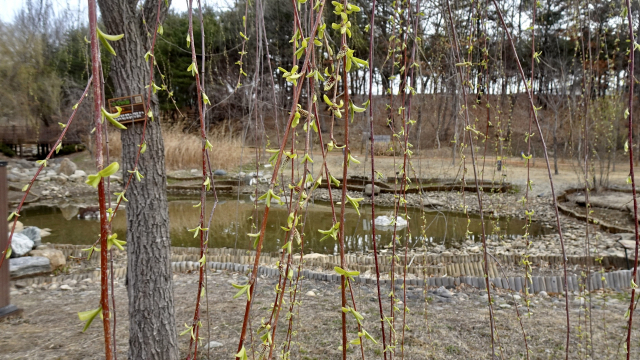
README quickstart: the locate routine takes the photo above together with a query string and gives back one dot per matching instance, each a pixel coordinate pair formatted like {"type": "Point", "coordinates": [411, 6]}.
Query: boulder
{"type": "Point", "coordinates": [386, 222]}
{"type": "Point", "coordinates": [19, 226]}
{"type": "Point", "coordinates": [56, 257]}
{"type": "Point", "coordinates": [628, 244]}
{"type": "Point", "coordinates": [368, 192]}
{"type": "Point", "coordinates": [29, 265]}
{"type": "Point", "coordinates": [14, 177]}
{"type": "Point", "coordinates": [220, 172]}
{"type": "Point", "coordinates": [67, 167]}
{"type": "Point", "coordinates": [428, 202]}
{"type": "Point", "coordinates": [33, 233]}
{"type": "Point", "coordinates": [20, 245]}
{"type": "Point", "coordinates": [69, 211]}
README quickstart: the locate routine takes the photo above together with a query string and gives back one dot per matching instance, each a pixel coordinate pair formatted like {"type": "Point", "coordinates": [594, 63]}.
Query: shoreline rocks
{"type": "Point", "coordinates": [28, 266]}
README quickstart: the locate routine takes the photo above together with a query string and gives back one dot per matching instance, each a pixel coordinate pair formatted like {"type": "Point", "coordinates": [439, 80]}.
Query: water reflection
{"type": "Point", "coordinates": [233, 219]}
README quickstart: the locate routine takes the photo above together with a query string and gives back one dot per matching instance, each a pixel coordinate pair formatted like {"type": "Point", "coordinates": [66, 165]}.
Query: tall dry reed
{"type": "Point", "coordinates": [184, 150]}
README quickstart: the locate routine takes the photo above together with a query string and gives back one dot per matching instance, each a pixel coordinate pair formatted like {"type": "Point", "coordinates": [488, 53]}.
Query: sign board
{"type": "Point", "coordinates": [376, 138]}
{"type": "Point", "coordinates": [132, 108]}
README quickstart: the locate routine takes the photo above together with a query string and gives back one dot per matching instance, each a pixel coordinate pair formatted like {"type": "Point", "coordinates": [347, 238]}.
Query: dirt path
{"type": "Point", "coordinates": [456, 325]}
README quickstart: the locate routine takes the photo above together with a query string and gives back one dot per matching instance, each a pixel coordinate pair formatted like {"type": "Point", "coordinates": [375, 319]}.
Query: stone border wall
{"type": "Point", "coordinates": [419, 264]}
{"type": "Point", "coordinates": [616, 280]}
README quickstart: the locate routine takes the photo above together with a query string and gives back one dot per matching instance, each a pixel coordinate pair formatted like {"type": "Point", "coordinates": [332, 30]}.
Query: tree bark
{"type": "Point", "coordinates": [152, 329]}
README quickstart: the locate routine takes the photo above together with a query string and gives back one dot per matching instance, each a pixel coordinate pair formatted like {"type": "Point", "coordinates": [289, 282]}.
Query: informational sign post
{"type": "Point", "coordinates": [132, 108]}
{"type": "Point", "coordinates": [6, 309]}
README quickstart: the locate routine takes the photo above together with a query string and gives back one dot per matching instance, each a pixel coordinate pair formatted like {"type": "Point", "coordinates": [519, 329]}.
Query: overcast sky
{"type": "Point", "coordinates": [8, 8]}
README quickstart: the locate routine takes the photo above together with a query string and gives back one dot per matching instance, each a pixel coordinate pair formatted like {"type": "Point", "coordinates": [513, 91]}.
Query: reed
{"type": "Point", "coordinates": [182, 150]}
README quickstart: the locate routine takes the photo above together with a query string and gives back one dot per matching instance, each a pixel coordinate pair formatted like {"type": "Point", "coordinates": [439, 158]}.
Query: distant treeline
{"type": "Point", "coordinates": [579, 45]}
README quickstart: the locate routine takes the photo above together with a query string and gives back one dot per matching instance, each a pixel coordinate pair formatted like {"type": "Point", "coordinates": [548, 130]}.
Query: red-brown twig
{"type": "Point", "coordinates": [373, 176]}
{"type": "Point", "coordinates": [104, 221]}
{"type": "Point", "coordinates": [276, 168]}
{"type": "Point", "coordinates": [632, 44]}
{"type": "Point", "coordinates": [475, 176]}
{"type": "Point", "coordinates": [546, 158]}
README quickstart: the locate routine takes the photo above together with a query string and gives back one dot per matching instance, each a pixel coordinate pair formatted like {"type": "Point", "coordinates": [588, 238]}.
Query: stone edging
{"type": "Point", "coordinates": [616, 280]}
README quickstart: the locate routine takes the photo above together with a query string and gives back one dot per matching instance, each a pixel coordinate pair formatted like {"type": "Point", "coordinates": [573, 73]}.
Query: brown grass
{"type": "Point", "coordinates": [387, 149]}
{"type": "Point", "coordinates": [184, 150]}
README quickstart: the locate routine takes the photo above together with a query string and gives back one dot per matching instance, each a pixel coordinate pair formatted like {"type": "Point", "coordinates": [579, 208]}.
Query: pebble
{"type": "Point", "coordinates": [65, 287]}
{"type": "Point", "coordinates": [53, 286]}
{"type": "Point", "coordinates": [543, 294]}
{"type": "Point", "coordinates": [310, 293]}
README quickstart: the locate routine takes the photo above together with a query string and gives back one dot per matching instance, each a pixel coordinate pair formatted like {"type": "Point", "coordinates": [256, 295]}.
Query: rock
{"type": "Point", "coordinates": [53, 286]}
{"type": "Point", "coordinates": [543, 294]}
{"type": "Point", "coordinates": [518, 244]}
{"type": "Point", "coordinates": [213, 344]}
{"type": "Point", "coordinates": [29, 265]}
{"type": "Point", "coordinates": [505, 306]}
{"type": "Point", "coordinates": [20, 245]}
{"type": "Point", "coordinates": [69, 211]}
{"type": "Point", "coordinates": [19, 226]}
{"type": "Point", "coordinates": [628, 244]}
{"type": "Point", "coordinates": [56, 257]}
{"type": "Point", "coordinates": [60, 180]}
{"type": "Point", "coordinates": [78, 175]}
{"type": "Point", "coordinates": [313, 256]}
{"type": "Point", "coordinates": [67, 167]}
{"type": "Point", "coordinates": [14, 177]}
{"type": "Point", "coordinates": [44, 232]}
{"type": "Point", "coordinates": [310, 293]}
{"type": "Point", "coordinates": [65, 287]}
{"type": "Point", "coordinates": [220, 172]}
{"type": "Point", "coordinates": [368, 192]}
{"type": "Point", "coordinates": [33, 233]}
{"type": "Point", "coordinates": [429, 202]}
{"type": "Point", "coordinates": [441, 291]}
{"type": "Point", "coordinates": [386, 221]}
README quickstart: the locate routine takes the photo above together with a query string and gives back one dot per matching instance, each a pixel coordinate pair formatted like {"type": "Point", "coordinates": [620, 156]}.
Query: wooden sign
{"type": "Point", "coordinates": [132, 108]}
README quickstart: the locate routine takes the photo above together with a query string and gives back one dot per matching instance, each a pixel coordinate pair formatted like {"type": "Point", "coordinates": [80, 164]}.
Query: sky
{"type": "Point", "coordinates": [8, 8]}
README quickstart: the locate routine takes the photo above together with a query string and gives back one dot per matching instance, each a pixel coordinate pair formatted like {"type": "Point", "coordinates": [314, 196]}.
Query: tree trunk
{"type": "Point", "coordinates": [152, 329]}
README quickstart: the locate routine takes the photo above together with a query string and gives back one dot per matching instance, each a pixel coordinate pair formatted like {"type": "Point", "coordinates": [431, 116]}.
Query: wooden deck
{"type": "Point", "coordinates": [44, 137]}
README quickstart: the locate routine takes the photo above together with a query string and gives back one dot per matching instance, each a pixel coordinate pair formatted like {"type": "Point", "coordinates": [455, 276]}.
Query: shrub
{"type": "Point", "coordinates": [5, 149]}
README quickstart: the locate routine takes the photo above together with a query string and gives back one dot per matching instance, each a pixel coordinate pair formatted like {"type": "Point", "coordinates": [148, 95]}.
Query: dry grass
{"type": "Point", "coordinates": [183, 150]}
{"type": "Point", "coordinates": [387, 149]}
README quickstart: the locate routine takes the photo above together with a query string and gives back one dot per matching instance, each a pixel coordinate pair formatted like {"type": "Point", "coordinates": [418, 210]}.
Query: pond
{"type": "Point", "coordinates": [233, 219]}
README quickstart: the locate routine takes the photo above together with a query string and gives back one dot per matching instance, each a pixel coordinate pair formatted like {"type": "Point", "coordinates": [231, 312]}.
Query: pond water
{"type": "Point", "coordinates": [233, 219]}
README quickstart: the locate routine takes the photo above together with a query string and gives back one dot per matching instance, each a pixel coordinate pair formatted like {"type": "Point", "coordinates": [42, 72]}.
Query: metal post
{"type": "Point", "coordinates": [6, 309]}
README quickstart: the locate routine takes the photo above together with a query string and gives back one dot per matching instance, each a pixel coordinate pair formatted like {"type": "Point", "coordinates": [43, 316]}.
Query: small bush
{"type": "Point", "coordinates": [5, 149]}
{"type": "Point", "coordinates": [70, 149]}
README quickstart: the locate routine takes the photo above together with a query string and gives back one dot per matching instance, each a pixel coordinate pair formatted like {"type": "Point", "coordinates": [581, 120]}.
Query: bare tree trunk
{"type": "Point", "coordinates": [555, 142]}
{"type": "Point", "coordinates": [152, 329]}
